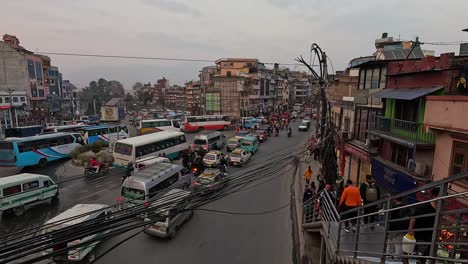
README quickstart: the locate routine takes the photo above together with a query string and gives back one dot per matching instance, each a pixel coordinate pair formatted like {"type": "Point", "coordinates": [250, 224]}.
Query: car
{"type": "Point", "coordinates": [243, 134]}
{"type": "Point", "coordinates": [233, 143]}
{"type": "Point", "coordinates": [250, 144]}
{"type": "Point", "coordinates": [212, 158]}
{"type": "Point", "coordinates": [210, 180]}
{"type": "Point", "coordinates": [307, 121]}
{"type": "Point", "coordinates": [261, 135]}
{"type": "Point", "coordinates": [239, 157]}
{"type": "Point", "coordinates": [303, 126]}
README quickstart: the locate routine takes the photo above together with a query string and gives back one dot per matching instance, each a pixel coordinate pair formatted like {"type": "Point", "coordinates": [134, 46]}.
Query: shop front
{"type": "Point", "coordinates": [359, 165]}
{"type": "Point", "coordinates": [391, 179]}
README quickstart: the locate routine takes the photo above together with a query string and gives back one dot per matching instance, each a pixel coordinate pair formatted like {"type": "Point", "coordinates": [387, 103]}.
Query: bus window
{"type": "Point", "coordinates": [175, 124]}
{"type": "Point", "coordinates": [30, 185]}
{"type": "Point", "coordinates": [124, 149]}
{"type": "Point", "coordinates": [163, 185]}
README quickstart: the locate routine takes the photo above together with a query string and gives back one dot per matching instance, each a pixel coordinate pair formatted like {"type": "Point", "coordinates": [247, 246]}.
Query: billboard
{"type": "Point", "coordinates": [213, 102]}
{"type": "Point", "coordinates": [112, 113]}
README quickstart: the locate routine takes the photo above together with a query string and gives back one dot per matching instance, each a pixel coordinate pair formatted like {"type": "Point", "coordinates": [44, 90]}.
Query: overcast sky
{"type": "Point", "coordinates": [270, 30]}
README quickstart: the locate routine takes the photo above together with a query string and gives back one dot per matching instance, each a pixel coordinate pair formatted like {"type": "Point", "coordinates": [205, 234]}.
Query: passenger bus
{"type": "Point", "coordinates": [103, 133]}
{"type": "Point", "coordinates": [25, 131]}
{"type": "Point", "coordinates": [210, 122]}
{"type": "Point", "coordinates": [136, 148]}
{"type": "Point", "coordinates": [65, 128]}
{"type": "Point", "coordinates": [37, 150]}
{"type": "Point", "coordinates": [158, 125]}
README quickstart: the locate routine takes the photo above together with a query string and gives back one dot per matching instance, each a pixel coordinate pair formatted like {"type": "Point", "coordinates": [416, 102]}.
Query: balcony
{"type": "Point", "coordinates": [402, 132]}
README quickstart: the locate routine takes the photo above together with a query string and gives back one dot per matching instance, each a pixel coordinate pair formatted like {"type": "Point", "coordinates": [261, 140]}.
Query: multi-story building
{"type": "Point", "coordinates": [175, 98]}
{"type": "Point", "coordinates": [299, 86]}
{"type": "Point", "coordinates": [67, 104]}
{"type": "Point", "coordinates": [406, 149]}
{"type": "Point", "coordinates": [193, 97]}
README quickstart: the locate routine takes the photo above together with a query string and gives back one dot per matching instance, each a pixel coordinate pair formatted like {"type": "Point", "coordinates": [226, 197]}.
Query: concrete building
{"type": "Point", "coordinates": [176, 98]}
{"type": "Point", "coordinates": [299, 86]}
{"type": "Point", "coordinates": [67, 104]}
{"type": "Point", "coordinates": [194, 98]}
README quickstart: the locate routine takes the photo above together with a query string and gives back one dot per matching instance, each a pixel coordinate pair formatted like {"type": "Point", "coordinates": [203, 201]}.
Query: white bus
{"type": "Point", "coordinates": [65, 128]}
{"type": "Point", "coordinates": [135, 148]}
{"type": "Point", "coordinates": [209, 122]}
{"type": "Point", "coordinates": [158, 125]}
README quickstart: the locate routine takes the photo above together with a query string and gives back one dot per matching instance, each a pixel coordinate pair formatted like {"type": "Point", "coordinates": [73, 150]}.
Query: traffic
{"type": "Point", "coordinates": [157, 166]}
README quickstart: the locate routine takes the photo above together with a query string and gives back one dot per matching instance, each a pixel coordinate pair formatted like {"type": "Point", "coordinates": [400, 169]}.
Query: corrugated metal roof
{"type": "Point", "coordinates": [405, 94]}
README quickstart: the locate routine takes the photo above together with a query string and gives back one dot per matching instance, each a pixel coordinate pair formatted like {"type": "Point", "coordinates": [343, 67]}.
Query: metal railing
{"type": "Point", "coordinates": [411, 131]}
{"type": "Point", "coordinates": [376, 230]}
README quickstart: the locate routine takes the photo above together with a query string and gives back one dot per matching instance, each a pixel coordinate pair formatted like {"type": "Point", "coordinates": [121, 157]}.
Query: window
{"type": "Point", "coordinates": [406, 110]}
{"type": "Point", "coordinates": [39, 71]}
{"type": "Point", "coordinates": [22, 99]}
{"type": "Point", "coordinates": [267, 88]}
{"type": "Point", "coordinates": [401, 154]}
{"type": "Point", "coordinates": [367, 83]}
{"type": "Point", "coordinates": [375, 78]}
{"type": "Point", "coordinates": [7, 99]}
{"type": "Point", "coordinates": [33, 92]}
{"type": "Point", "coordinates": [11, 190]}
{"type": "Point", "coordinates": [15, 99]}
{"type": "Point", "coordinates": [459, 158]}
{"type": "Point", "coordinates": [383, 77]}
{"type": "Point", "coordinates": [1, 100]}
{"type": "Point", "coordinates": [262, 87]}
{"type": "Point", "coordinates": [362, 75]}
{"type": "Point", "coordinates": [30, 186]}
{"type": "Point", "coordinates": [163, 185]}
{"type": "Point", "coordinates": [228, 73]}
{"type": "Point", "coordinates": [31, 70]}
{"type": "Point", "coordinates": [47, 183]}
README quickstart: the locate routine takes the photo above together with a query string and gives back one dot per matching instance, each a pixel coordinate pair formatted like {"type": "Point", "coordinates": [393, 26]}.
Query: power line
{"type": "Point", "coordinates": [140, 57]}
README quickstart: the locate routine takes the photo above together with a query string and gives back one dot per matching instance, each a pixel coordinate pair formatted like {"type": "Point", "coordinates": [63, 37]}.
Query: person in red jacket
{"type": "Point", "coordinates": [95, 164]}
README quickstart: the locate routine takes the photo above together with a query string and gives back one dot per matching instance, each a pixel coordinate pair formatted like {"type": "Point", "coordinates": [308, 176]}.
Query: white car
{"type": "Point", "coordinates": [239, 157]}
{"type": "Point", "coordinates": [212, 158]}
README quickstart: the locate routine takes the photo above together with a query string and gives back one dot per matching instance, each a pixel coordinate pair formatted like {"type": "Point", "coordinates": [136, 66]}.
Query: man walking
{"type": "Point", "coordinates": [308, 175]}
{"type": "Point", "coordinates": [350, 199]}
{"type": "Point", "coordinates": [369, 193]}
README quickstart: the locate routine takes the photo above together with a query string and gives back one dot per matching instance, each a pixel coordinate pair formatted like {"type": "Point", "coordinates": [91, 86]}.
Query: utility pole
{"type": "Point", "coordinates": [9, 91]}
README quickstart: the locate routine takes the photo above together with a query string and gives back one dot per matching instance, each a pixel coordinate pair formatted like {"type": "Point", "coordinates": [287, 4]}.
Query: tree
{"type": "Point", "coordinates": [99, 92]}
{"type": "Point", "coordinates": [137, 86]}
{"type": "Point", "coordinates": [129, 101]}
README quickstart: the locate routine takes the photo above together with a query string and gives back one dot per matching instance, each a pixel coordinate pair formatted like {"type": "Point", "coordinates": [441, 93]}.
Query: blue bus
{"type": "Point", "coordinates": [103, 133]}
{"type": "Point", "coordinates": [25, 131]}
{"type": "Point", "coordinates": [37, 150]}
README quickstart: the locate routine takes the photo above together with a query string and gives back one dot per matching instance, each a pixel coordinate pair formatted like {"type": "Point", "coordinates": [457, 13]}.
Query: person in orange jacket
{"type": "Point", "coordinates": [350, 199]}
{"type": "Point", "coordinates": [308, 175]}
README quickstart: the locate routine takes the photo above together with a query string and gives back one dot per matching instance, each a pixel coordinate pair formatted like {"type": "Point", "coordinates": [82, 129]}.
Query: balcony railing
{"type": "Point", "coordinates": [406, 130]}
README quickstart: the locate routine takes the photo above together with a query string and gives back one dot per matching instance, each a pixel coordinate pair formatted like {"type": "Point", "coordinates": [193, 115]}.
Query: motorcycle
{"type": "Point", "coordinates": [103, 170]}
{"type": "Point", "coordinates": [197, 169]}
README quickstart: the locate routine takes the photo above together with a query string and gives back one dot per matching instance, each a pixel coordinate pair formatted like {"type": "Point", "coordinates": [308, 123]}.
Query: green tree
{"type": "Point", "coordinates": [137, 86]}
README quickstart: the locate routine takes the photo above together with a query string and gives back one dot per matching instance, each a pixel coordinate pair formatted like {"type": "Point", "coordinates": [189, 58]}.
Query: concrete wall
{"type": "Point", "coordinates": [446, 112]}
{"type": "Point", "coordinates": [442, 156]}
{"type": "Point", "coordinates": [13, 70]}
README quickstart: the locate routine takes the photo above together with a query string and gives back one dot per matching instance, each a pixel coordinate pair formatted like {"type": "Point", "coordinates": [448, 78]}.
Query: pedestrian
{"type": "Point", "coordinates": [350, 199]}
{"type": "Point", "coordinates": [396, 227]}
{"type": "Point", "coordinates": [339, 192]}
{"type": "Point", "coordinates": [424, 223]}
{"type": "Point", "coordinates": [308, 194]}
{"type": "Point", "coordinates": [369, 193]}
{"type": "Point", "coordinates": [308, 175]}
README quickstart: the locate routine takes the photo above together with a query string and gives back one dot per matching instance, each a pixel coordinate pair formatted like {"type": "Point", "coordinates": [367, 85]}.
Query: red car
{"type": "Point", "coordinates": [261, 134]}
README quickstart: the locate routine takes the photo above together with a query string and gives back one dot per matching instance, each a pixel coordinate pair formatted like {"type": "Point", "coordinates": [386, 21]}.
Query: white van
{"type": "Point", "coordinates": [145, 185]}
{"type": "Point", "coordinates": [90, 212]}
{"type": "Point", "coordinates": [149, 161]}
{"type": "Point", "coordinates": [168, 226]}
{"type": "Point", "coordinates": [209, 141]}
{"type": "Point", "coordinates": [20, 192]}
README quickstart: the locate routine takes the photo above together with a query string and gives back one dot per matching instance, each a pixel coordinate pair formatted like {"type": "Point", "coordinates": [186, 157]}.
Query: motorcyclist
{"type": "Point", "coordinates": [95, 164]}
{"type": "Point", "coordinates": [224, 163]}
{"type": "Point", "coordinates": [277, 130]}
{"type": "Point", "coordinates": [289, 131]}
{"type": "Point", "coordinates": [128, 171]}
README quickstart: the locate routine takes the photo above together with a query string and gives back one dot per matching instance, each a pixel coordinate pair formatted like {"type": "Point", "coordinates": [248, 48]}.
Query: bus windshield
{"type": "Point", "coordinates": [123, 149]}
{"type": "Point", "coordinates": [133, 193]}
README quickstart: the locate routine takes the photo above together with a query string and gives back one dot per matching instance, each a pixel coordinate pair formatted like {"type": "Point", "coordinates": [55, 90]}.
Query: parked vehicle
{"type": "Point", "coordinates": [239, 157]}
{"type": "Point", "coordinates": [212, 158]}
{"type": "Point", "coordinates": [209, 122]}
{"type": "Point", "coordinates": [174, 215]}
{"type": "Point", "coordinates": [136, 148]}
{"type": "Point", "coordinates": [22, 191]}
{"type": "Point", "coordinates": [210, 180]}
{"type": "Point", "coordinates": [146, 185]}
{"type": "Point", "coordinates": [209, 141]}
{"type": "Point", "coordinates": [233, 143]}
{"type": "Point", "coordinates": [38, 150]}
{"type": "Point", "coordinates": [100, 213]}
{"type": "Point", "coordinates": [250, 144]}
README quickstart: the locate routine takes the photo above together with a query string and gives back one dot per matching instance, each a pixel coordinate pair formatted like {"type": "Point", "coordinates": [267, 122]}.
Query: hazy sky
{"type": "Point", "coordinates": [270, 30]}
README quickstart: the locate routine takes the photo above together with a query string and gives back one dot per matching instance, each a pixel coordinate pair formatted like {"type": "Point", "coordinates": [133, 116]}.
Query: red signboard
{"type": "Point", "coordinates": [356, 152]}
{"type": "Point", "coordinates": [5, 107]}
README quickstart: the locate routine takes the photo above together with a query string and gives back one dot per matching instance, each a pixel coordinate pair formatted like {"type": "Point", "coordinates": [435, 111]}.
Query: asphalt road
{"type": "Point", "coordinates": [208, 237]}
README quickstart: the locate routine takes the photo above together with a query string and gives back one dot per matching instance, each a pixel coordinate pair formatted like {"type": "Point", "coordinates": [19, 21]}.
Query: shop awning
{"type": "Point", "coordinates": [405, 94]}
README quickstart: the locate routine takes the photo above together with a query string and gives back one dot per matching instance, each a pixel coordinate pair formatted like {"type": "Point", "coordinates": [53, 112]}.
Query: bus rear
{"type": "Point", "coordinates": [7, 154]}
